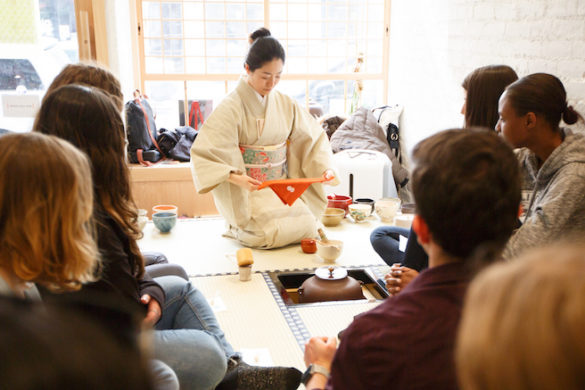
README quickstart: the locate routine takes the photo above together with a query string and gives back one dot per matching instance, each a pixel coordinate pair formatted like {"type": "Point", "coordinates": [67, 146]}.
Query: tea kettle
{"type": "Point", "coordinates": [330, 284]}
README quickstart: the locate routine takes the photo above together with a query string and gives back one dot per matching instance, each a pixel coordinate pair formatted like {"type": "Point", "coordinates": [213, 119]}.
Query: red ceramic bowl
{"type": "Point", "coordinates": [339, 202]}
{"type": "Point", "coordinates": [309, 245]}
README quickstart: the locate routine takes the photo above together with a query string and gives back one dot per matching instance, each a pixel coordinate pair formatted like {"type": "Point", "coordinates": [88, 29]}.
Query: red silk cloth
{"type": "Point", "coordinates": [289, 190]}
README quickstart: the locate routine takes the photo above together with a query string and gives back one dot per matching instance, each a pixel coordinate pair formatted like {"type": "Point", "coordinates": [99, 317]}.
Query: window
{"type": "Point", "coordinates": [37, 38]}
{"type": "Point", "coordinates": [193, 50]}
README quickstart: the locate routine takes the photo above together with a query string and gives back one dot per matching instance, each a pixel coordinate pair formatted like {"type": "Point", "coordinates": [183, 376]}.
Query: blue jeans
{"type": "Point", "coordinates": [188, 337]}
{"type": "Point", "coordinates": [385, 241]}
{"type": "Point", "coordinates": [163, 376]}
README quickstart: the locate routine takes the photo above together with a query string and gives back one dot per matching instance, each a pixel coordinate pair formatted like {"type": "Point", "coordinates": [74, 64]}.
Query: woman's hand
{"type": "Point", "coordinates": [153, 312]}
{"type": "Point", "coordinates": [244, 181]}
{"type": "Point", "coordinates": [328, 174]}
{"type": "Point", "coordinates": [398, 278]}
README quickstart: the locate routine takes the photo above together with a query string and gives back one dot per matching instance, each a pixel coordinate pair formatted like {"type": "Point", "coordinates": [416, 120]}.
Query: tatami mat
{"type": "Point", "coordinates": [328, 321]}
{"type": "Point", "coordinates": [252, 314]}
{"type": "Point", "coordinates": [251, 318]}
{"type": "Point", "coordinates": [198, 245]}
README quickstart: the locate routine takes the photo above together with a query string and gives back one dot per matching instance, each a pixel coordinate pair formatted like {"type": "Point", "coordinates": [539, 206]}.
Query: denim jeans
{"type": "Point", "coordinates": [385, 241]}
{"type": "Point", "coordinates": [163, 376]}
{"type": "Point", "coordinates": [188, 337]}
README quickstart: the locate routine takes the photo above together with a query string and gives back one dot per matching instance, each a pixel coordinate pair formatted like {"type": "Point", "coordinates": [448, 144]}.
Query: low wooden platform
{"type": "Point", "coordinates": [169, 183]}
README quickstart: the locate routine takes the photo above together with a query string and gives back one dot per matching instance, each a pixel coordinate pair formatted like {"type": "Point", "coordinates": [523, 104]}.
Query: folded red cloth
{"type": "Point", "coordinates": [289, 190]}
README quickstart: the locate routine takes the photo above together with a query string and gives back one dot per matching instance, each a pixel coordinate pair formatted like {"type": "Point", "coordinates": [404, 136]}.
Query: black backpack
{"type": "Point", "coordinates": [141, 132]}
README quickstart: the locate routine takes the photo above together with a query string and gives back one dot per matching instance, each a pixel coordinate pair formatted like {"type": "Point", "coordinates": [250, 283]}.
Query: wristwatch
{"type": "Point", "coordinates": [312, 369]}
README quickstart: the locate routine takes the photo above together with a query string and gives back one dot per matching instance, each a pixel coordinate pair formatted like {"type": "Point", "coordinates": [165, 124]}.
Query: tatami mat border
{"type": "Point", "coordinates": [290, 314]}
{"type": "Point", "coordinates": [373, 267]}
{"type": "Point", "coordinates": [292, 318]}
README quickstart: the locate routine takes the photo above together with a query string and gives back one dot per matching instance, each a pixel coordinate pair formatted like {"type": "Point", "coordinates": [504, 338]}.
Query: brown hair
{"type": "Point", "coordinates": [46, 200]}
{"type": "Point", "coordinates": [93, 75]}
{"type": "Point", "coordinates": [484, 86]}
{"type": "Point", "coordinates": [88, 118]}
{"type": "Point", "coordinates": [522, 324]}
{"type": "Point", "coordinates": [542, 94]}
{"type": "Point", "coordinates": [466, 185]}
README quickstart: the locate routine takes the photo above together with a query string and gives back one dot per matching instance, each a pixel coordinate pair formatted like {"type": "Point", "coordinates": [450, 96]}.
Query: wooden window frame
{"type": "Point", "coordinates": [144, 77]}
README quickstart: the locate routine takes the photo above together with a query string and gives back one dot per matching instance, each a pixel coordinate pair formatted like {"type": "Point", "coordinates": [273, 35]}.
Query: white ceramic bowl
{"type": "Point", "coordinates": [359, 211]}
{"type": "Point", "coordinates": [386, 208]}
{"type": "Point", "coordinates": [329, 250]}
{"type": "Point", "coordinates": [404, 220]}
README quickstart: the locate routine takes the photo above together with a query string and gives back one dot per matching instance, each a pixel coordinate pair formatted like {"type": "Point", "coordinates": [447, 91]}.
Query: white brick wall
{"type": "Point", "coordinates": [434, 44]}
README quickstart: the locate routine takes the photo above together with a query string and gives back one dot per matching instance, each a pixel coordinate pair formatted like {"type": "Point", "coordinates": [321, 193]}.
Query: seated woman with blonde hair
{"type": "Point", "coordinates": [46, 228]}
{"type": "Point", "coordinates": [46, 203]}
{"type": "Point", "coordinates": [522, 325]}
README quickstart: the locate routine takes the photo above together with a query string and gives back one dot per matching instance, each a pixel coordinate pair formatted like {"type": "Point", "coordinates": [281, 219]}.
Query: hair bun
{"type": "Point", "coordinates": [260, 33]}
{"type": "Point", "coordinates": [570, 116]}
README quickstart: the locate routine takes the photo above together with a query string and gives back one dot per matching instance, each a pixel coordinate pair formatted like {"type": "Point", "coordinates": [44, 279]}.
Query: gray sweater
{"type": "Point", "coordinates": [557, 205]}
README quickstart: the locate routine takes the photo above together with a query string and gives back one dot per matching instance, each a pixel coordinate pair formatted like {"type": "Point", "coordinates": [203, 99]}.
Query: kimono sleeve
{"type": "Point", "coordinates": [309, 155]}
{"type": "Point", "coordinates": [215, 152]}
{"type": "Point", "coordinates": [309, 150]}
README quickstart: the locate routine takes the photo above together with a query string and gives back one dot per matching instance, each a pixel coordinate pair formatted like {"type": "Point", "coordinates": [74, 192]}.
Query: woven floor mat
{"type": "Point", "coordinates": [198, 245]}
{"type": "Point", "coordinates": [330, 320]}
{"type": "Point", "coordinates": [251, 319]}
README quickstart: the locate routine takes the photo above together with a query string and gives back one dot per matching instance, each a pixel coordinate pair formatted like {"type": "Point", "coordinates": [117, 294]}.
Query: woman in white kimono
{"type": "Point", "coordinates": [258, 134]}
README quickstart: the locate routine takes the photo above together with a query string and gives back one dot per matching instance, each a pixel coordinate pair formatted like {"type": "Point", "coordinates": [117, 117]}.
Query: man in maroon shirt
{"type": "Point", "coordinates": [467, 189]}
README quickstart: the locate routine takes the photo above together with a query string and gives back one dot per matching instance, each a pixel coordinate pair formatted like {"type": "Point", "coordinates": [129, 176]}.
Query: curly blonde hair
{"type": "Point", "coordinates": [523, 321]}
{"type": "Point", "coordinates": [46, 203]}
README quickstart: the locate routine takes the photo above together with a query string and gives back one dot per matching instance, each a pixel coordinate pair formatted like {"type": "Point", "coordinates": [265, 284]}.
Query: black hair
{"type": "Point", "coordinates": [542, 94]}
{"type": "Point", "coordinates": [260, 33]}
{"type": "Point", "coordinates": [264, 49]}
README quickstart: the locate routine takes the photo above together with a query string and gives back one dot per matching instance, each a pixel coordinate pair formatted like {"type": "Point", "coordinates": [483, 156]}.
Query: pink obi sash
{"type": "Point", "coordinates": [265, 162]}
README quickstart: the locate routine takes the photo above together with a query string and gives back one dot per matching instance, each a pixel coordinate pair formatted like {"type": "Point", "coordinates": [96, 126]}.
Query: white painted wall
{"type": "Point", "coordinates": [120, 44]}
{"type": "Point", "coordinates": [434, 44]}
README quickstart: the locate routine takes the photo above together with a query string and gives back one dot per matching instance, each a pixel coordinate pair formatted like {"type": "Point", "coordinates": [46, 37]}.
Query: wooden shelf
{"type": "Point", "coordinates": [169, 183]}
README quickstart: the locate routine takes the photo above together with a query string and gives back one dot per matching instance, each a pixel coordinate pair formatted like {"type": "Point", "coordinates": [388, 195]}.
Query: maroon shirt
{"type": "Point", "coordinates": [408, 341]}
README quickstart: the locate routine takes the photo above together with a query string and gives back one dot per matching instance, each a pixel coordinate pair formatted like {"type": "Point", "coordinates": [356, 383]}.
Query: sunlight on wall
{"type": "Point", "coordinates": [435, 44]}
{"type": "Point", "coordinates": [422, 78]}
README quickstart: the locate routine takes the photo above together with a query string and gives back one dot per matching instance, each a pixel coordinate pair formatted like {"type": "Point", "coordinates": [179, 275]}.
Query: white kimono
{"type": "Point", "coordinates": [259, 218]}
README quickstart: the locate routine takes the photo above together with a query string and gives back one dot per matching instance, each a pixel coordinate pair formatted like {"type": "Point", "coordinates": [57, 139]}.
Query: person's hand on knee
{"type": "Point", "coordinates": [153, 312]}
{"type": "Point", "coordinates": [398, 278]}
